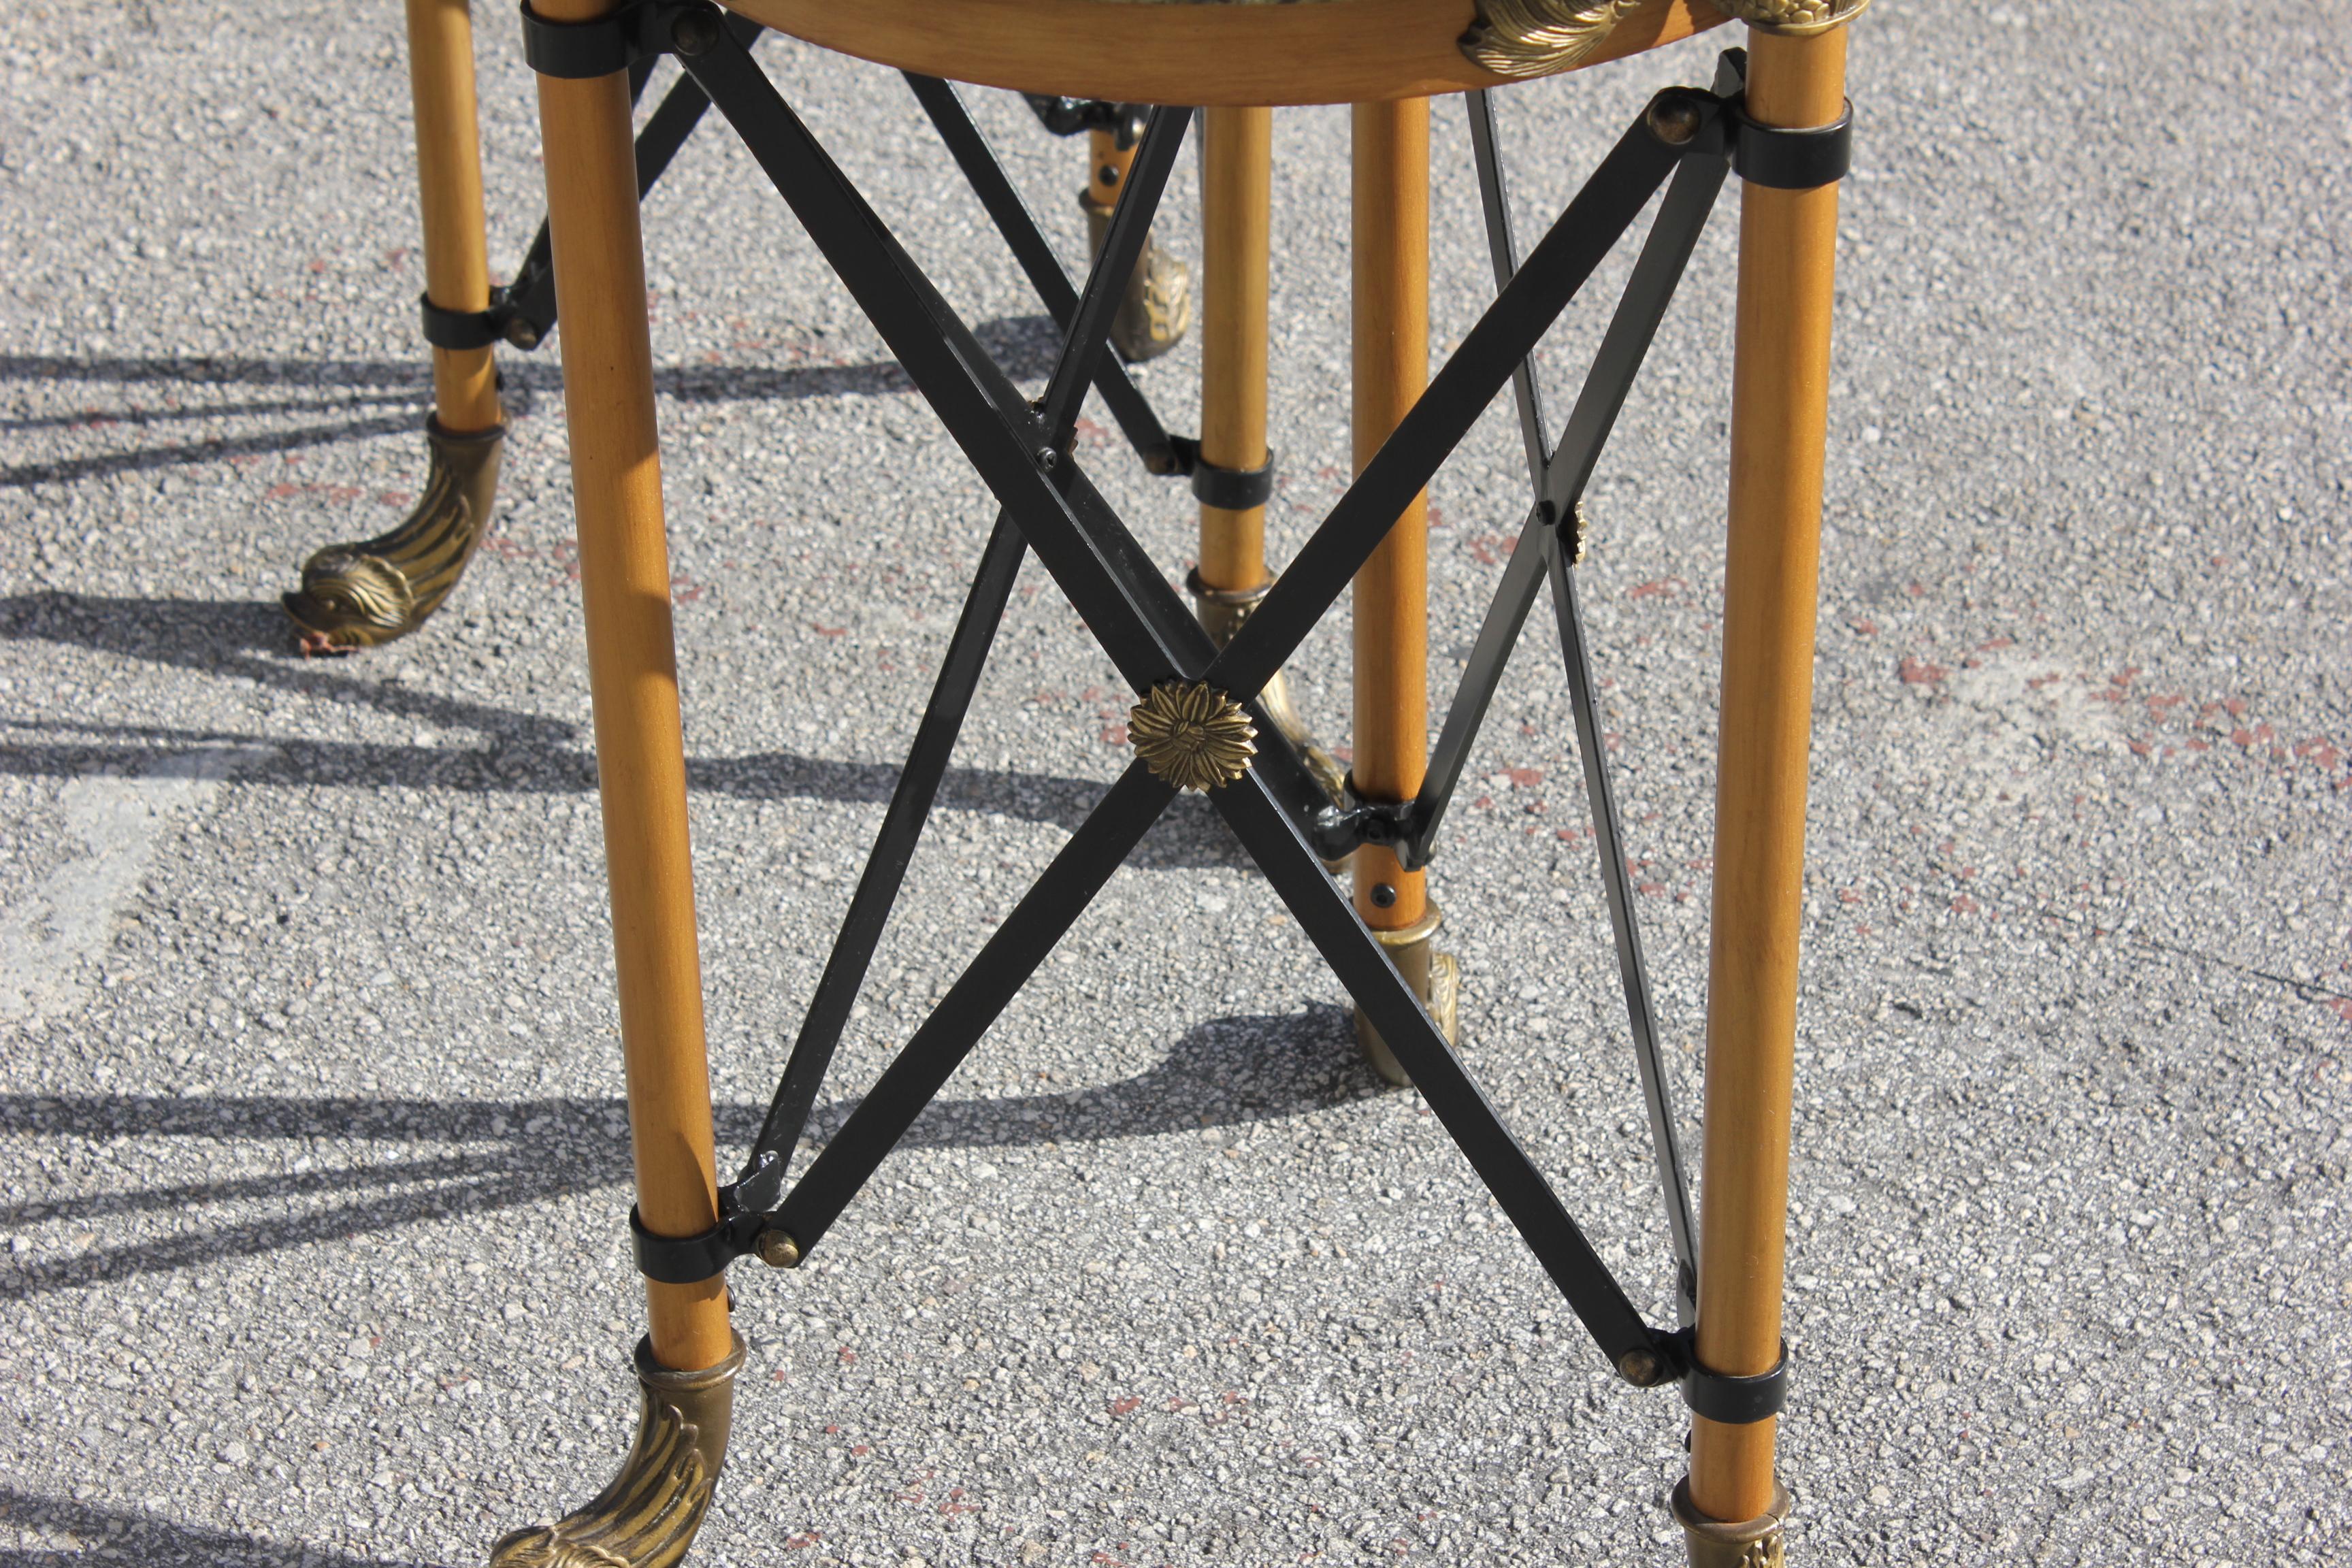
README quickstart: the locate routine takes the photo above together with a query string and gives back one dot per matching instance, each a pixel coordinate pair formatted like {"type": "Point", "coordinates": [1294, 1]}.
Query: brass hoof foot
{"type": "Point", "coordinates": [1221, 612]}
{"type": "Point", "coordinates": [646, 1518]}
{"type": "Point", "coordinates": [356, 595]}
{"type": "Point", "coordinates": [1157, 305]}
{"type": "Point", "coordinates": [1434, 977]}
{"type": "Point", "coordinates": [1757, 1543]}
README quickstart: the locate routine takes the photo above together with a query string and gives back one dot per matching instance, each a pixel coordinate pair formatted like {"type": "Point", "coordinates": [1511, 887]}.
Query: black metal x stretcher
{"type": "Point", "coordinates": [1274, 805]}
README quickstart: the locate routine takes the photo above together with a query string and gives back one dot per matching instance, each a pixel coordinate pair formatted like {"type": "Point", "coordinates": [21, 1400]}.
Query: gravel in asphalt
{"type": "Point", "coordinates": [312, 1157]}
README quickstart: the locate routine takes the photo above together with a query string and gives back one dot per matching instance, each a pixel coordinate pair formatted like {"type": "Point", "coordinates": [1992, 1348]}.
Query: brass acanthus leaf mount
{"type": "Point", "coordinates": [1797, 16]}
{"type": "Point", "coordinates": [1535, 37]}
{"type": "Point", "coordinates": [1192, 735]}
{"type": "Point", "coordinates": [1520, 39]}
{"type": "Point", "coordinates": [357, 595]}
{"type": "Point", "coordinates": [648, 1516]}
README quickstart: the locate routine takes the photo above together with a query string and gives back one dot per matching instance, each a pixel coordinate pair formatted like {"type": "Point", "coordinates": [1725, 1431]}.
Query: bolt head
{"type": "Point", "coordinates": [778, 1250]}
{"type": "Point", "coordinates": [1673, 120]}
{"type": "Point", "coordinates": [1383, 896]}
{"type": "Point", "coordinates": [1048, 459]}
{"type": "Point", "coordinates": [522, 334]}
{"type": "Point", "coordinates": [694, 32]}
{"type": "Point", "coordinates": [1639, 1367]}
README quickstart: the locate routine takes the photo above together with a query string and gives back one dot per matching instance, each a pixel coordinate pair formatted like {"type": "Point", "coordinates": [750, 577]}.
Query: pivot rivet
{"type": "Point", "coordinates": [1673, 120]}
{"type": "Point", "coordinates": [695, 32]}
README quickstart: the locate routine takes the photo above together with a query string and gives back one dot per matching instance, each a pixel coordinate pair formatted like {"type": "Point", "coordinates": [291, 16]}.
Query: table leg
{"type": "Point", "coordinates": [1390, 330]}
{"type": "Point", "coordinates": [1236, 231]}
{"type": "Point", "coordinates": [374, 590]}
{"type": "Point", "coordinates": [1731, 1505]}
{"type": "Point", "coordinates": [641, 769]}
{"type": "Point", "coordinates": [1156, 306]}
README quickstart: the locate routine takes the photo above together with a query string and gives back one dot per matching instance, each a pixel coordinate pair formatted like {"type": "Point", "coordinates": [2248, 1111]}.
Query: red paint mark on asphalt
{"type": "Point", "coordinates": [1919, 672]}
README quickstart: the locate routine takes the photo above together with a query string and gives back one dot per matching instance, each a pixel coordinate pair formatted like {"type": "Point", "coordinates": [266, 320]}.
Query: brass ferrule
{"type": "Point", "coordinates": [1435, 978]}
{"type": "Point", "coordinates": [1223, 611]}
{"type": "Point", "coordinates": [1755, 1544]}
{"type": "Point", "coordinates": [705, 1400]}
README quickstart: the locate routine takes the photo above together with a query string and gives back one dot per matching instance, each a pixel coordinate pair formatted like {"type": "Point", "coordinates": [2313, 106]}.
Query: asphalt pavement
{"type": "Point", "coordinates": [313, 1169]}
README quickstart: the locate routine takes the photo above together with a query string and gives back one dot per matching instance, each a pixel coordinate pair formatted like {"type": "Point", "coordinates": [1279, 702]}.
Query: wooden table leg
{"type": "Point", "coordinates": [371, 591]}
{"type": "Point", "coordinates": [449, 185]}
{"type": "Point", "coordinates": [1779, 418]}
{"type": "Point", "coordinates": [1236, 233]}
{"type": "Point", "coordinates": [1391, 331]}
{"type": "Point", "coordinates": [1157, 305]}
{"type": "Point", "coordinates": [592, 197]}
{"type": "Point", "coordinates": [1236, 225]}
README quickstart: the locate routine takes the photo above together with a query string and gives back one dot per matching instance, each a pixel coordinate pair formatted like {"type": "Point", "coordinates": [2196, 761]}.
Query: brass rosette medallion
{"type": "Point", "coordinates": [1192, 735]}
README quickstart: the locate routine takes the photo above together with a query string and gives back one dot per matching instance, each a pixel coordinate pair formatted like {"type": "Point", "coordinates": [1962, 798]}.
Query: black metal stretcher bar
{"type": "Point", "coordinates": [1128, 408]}
{"type": "Point", "coordinates": [927, 760]}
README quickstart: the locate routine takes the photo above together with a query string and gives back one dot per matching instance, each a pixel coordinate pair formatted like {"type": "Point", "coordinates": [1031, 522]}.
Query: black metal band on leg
{"type": "Point", "coordinates": [1735, 1401]}
{"type": "Point", "coordinates": [1232, 489]}
{"type": "Point", "coordinates": [1784, 159]}
{"type": "Point", "coordinates": [459, 329]}
{"type": "Point", "coordinates": [689, 1259]}
{"type": "Point", "coordinates": [581, 51]}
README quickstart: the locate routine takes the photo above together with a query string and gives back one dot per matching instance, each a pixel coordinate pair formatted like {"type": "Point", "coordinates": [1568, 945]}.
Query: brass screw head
{"type": "Point", "coordinates": [1673, 120]}
{"type": "Point", "coordinates": [1639, 1367]}
{"type": "Point", "coordinates": [778, 1250]}
{"type": "Point", "coordinates": [695, 32]}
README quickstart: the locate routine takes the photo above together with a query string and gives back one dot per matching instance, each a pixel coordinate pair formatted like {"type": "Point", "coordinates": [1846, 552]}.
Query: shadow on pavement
{"type": "Point", "coordinates": [1025, 346]}
{"type": "Point", "coordinates": [132, 1536]}
{"type": "Point", "coordinates": [526, 754]}
{"type": "Point", "coordinates": [528, 1150]}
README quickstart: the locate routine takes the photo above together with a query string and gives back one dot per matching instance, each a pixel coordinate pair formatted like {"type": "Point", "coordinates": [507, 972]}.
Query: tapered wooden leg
{"type": "Point", "coordinates": [1237, 186]}
{"type": "Point", "coordinates": [591, 198]}
{"type": "Point", "coordinates": [374, 590]}
{"type": "Point", "coordinates": [608, 392]}
{"type": "Point", "coordinates": [1236, 198]}
{"type": "Point", "coordinates": [1391, 332]}
{"type": "Point", "coordinates": [449, 184]}
{"type": "Point", "coordinates": [1780, 414]}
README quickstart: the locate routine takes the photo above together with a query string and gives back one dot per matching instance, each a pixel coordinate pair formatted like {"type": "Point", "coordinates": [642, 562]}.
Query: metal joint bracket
{"type": "Point", "coordinates": [580, 51]}
{"type": "Point", "coordinates": [1068, 116]}
{"type": "Point", "coordinates": [445, 329]}
{"type": "Point", "coordinates": [503, 322]}
{"type": "Point", "coordinates": [1341, 830]}
{"type": "Point", "coordinates": [1734, 1401]}
{"type": "Point", "coordinates": [691, 1259]}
